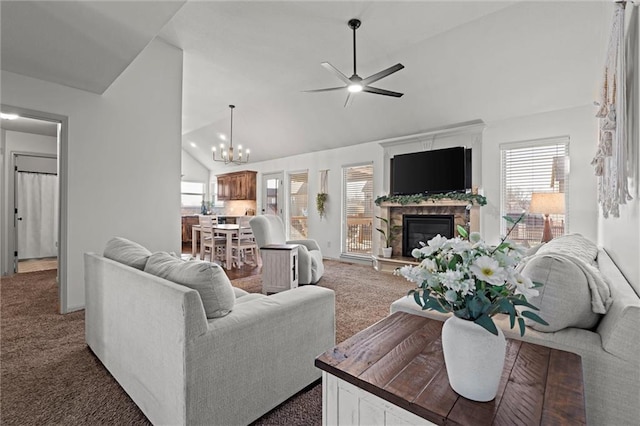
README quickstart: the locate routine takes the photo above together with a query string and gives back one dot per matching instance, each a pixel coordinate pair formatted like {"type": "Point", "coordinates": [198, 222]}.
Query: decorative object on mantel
{"type": "Point", "coordinates": [321, 197]}
{"type": "Point", "coordinates": [228, 155]}
{"type": "Point", "coordinates": [474, 281]}
{"type": "Point", "coordinates": [419, 198]}
{"type": "Point", "coordinates": [610, 161]}
{"type": "Point", "coordinates": [388, 234]}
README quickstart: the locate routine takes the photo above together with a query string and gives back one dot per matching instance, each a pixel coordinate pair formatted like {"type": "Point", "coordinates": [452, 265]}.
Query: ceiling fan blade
{"type": "Point", "coordinates": [337, 72]}
{"type": "Point", "coordinates": [349, 100]}
{"type": "Point", "coordinates": [377, 76]}
{"type": "Point", "coordinates": [377, 91]}
{"type": "Point", "coordinates": [326, 90]}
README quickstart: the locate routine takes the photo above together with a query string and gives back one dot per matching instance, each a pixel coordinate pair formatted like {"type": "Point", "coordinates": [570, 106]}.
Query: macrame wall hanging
{"type": "Point", "coordinates": [610, 160]}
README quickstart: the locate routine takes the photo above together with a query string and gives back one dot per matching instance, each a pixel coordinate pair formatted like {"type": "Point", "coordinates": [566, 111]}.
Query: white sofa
{"type": "Point", "coordinates": [610, 350]}
{"type": "Point", "coordinates": [180, 367]}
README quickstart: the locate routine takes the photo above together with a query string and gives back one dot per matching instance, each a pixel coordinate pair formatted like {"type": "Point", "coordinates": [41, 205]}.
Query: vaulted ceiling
{"type": "Point", "coordinates": [463, 60]}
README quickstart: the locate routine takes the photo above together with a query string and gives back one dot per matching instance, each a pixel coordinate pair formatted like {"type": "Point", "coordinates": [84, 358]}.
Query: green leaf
{"type": "Point", "coordinates": [517, 301]}
{"type": "Point", "coordinates": [416, 297]}
{"type": "Point", "coordinates": [508, 308]}
{"type": "Point", "coordinates": [502, 246]}
{"type": "Point", "coordinates": [475, 306]}
{"type": "Point", "coordinates": [463, 232]}
{"type": "Point", "coordinates": [509, 219]}
{"type": "Point", "coordinates": [534, 317]}
{"type": "Point", "coordinates": [521, 324]}
{"type": "Point", "coordinates": [433, 304]}
{"type": "Point", "coordinates": [486, 322]}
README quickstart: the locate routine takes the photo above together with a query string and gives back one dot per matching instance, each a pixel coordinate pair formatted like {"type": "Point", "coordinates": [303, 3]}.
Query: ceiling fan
{"type": "Point", "coordinates": [355, 83]}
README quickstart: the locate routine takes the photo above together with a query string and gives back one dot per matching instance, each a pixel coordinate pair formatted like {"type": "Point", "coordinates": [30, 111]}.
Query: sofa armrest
{"type": "Point", "coordinates": [259, 355]}
{"type": "Point", "coordinates": [309, 244]}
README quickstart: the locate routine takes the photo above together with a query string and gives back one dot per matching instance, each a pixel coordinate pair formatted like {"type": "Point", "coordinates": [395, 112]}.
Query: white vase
{"type": "Point", "coordinates": [474, 358]}
{"type": "Point", "coordinates": [386, 251]}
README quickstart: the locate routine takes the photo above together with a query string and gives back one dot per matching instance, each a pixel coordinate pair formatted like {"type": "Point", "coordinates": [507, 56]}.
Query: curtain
{"type": "Point", "coordinates": [37, 203]}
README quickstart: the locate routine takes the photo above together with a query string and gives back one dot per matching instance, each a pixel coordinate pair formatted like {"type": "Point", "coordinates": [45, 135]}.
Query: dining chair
{"type": "Point", "coordinates": [244, 245]}
{"type": "Point", "coordinates": [210, 243]}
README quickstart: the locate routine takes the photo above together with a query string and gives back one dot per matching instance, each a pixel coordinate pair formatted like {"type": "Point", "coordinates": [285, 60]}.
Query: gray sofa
{"type": "Point", "coordinates": [610, 348]}
{"type": "Point", "coordinates": [181, 367]}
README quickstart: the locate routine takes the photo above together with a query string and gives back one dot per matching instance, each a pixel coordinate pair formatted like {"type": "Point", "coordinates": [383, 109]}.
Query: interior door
{"type": "Point", "coordinates": [272, 194]}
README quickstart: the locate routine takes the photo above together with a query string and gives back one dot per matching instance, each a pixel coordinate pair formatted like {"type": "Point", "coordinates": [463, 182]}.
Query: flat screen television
{"type": "Point", "coordinates": [431, 172]}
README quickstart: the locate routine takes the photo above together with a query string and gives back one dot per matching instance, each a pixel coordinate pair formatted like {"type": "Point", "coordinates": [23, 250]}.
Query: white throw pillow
{"type": "Point", "coordinates": [208, 279]}
{"type": "Point", "coordinates": [127, 252]}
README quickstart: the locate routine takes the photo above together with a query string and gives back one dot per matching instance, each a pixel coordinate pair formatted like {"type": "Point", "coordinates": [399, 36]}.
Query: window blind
{"type": "Point", "coordinates": [298, 204]}
{"type": "Point", "coordinates": [528, 167]}
{"type": "Point", "coordinates": [358, 208]}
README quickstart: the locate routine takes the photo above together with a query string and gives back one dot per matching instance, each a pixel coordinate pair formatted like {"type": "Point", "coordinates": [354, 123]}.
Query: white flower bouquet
{"type": "Point", "coordinates": [471, 279]}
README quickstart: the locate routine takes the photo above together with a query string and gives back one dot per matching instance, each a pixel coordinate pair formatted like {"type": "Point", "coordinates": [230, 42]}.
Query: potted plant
{"type": "Point", "coordinates": [388, 236]}
{"type": "Point", "coordinates": [321, 199]}
{"type": "Point", "coordinates": [474, 281]}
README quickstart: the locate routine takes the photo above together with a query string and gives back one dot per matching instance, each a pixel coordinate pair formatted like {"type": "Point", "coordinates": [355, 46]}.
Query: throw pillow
{"type": "Point", "coordinates": [564, 299]}
{"type": "Point", "coordinates": [208, 279]}
{"type": "Point", "coordinates": [572, 245]}
{"type": "Point", "coordinates": [127, 252]}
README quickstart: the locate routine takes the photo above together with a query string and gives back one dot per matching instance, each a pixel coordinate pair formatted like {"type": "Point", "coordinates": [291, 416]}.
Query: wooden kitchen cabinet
{"type": "Point", "coordinates": [187, 223]}
{"type": "Point", "coordinates": [237, 186]}
{"type": "Point", "coordinates": [224, 187]}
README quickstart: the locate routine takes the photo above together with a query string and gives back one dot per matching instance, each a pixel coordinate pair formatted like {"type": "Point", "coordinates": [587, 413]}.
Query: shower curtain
{"type": "Point", "coordinates": [37, 200]}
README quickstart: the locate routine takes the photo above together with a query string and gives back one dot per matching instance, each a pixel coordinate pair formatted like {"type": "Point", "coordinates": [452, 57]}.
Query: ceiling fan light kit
{"type": "Point", "coordinates": [227, 155]}
{"type": "Point", "coordinates": [355, 83]}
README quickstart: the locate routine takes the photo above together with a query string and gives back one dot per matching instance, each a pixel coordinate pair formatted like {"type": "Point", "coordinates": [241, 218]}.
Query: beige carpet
{"type": "Point", "coordinates": [49, 376]}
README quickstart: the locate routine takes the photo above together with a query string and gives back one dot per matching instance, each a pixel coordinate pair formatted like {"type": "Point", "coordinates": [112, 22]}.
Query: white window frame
{"type": "Point", "coordinates": [534, 143]}
{"type": "Point", "coordinates": [344, 230]}
{"type": "Point", "coordinates": [203, 194]}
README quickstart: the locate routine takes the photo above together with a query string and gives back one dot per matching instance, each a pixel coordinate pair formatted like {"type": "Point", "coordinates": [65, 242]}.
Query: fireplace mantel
{"type": "Point", "coordinates": [465, 213]}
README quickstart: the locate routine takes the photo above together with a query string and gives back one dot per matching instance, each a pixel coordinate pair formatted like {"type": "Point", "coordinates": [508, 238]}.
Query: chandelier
{"type": "Point", "coordinates": [228, 155]}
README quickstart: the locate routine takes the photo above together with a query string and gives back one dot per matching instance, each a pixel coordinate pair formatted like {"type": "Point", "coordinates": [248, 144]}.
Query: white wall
{"type": "Point", "coordinates": [124, 151]}
{"type": "Point", "coordinates": [621, 235]}
{"type": "Point", "coordinates": [192, 169]}
{"type": "Point", "coordinates": [23, 143]}
{"type": "Point", "coordinates": [577, 123]}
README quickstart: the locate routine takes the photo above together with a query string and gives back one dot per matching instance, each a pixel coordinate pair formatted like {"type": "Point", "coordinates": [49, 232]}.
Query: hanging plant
{"type": "Point", "coordinates": [321, 198]}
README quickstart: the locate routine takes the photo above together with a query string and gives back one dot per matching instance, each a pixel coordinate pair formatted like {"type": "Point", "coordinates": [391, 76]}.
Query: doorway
{"type": "Point", "coordinates": [36, 209]}
{"type": "Point", "coordinates": [272, 194]}
{"type": "Point", "coordinates": [8, 216]}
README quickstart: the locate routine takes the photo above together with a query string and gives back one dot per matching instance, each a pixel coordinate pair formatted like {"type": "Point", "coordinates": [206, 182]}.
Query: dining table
{"type": "Point", "coordinates": [226, 229]}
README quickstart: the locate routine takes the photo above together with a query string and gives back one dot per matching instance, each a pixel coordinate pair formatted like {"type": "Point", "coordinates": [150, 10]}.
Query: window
{"type": "Point", "coordinates": [192, 196]}
{"type": "Point", "coordinates": [532, 167]}
{"type": "Point", "coordinates": [298, 205]}
{"type": "Point", "coordinates": [357, 209]}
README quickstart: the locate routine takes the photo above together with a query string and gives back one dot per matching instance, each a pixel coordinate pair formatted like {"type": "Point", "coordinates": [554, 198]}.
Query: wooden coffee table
{"type": "Point", "coordinates": [393, 373]}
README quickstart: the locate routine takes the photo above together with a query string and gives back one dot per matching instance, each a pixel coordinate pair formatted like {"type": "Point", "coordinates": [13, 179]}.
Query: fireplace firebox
{"type": "Point", "coordinates": [422, 228]}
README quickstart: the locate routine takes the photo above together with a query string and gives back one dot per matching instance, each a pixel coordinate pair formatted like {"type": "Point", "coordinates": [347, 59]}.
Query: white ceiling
{"type": "Point", "coordinates": [485, 60]}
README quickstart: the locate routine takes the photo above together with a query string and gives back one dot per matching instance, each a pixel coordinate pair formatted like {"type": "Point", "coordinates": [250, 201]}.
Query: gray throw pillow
{"type": "Point", "coordinates": [564, 298]}
{"type": "Point", "coordinates": [208, 279]}
{"type": "Point", "coordinates": [128, 252]}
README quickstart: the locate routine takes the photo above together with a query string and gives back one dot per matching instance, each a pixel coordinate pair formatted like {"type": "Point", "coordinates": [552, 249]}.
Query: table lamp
{"type": "Point", "coordinates": [547, 203]}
